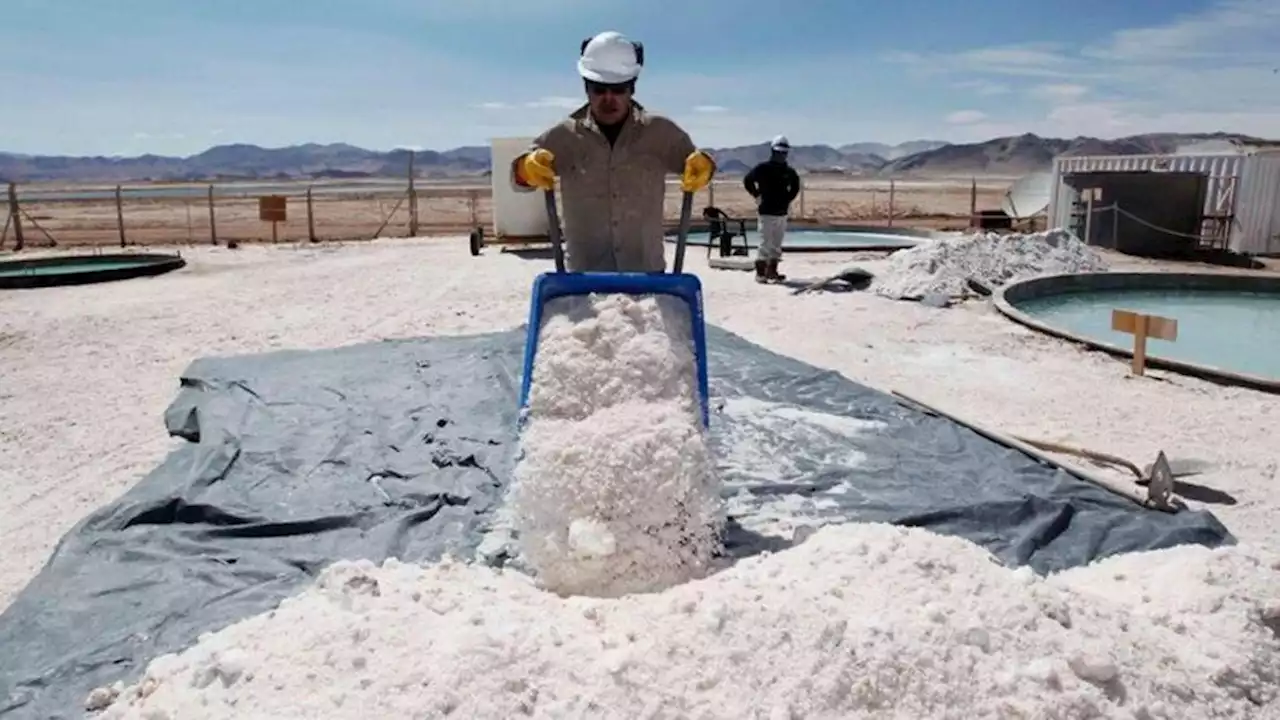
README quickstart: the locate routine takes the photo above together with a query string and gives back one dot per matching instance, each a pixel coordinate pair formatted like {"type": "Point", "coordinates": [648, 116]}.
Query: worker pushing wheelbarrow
{"type": "Point", "coordinates": [613, 157]}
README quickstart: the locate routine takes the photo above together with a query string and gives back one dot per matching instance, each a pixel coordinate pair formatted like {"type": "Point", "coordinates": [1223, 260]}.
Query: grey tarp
{"type": "Point", "coordinates": [402, 448]}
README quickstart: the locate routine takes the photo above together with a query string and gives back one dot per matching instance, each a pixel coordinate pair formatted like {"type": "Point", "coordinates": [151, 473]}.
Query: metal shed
{"type": "Point", "coordinates": [1242, 203]}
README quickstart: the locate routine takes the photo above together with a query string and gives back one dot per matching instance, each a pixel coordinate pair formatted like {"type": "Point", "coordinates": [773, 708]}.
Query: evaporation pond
{"type": "Point", "coordinates": [1234, 331]}
{"type": "Point", "coordinates": [69, 268]}
{"type": "Point", "coordinates": [801, 239]}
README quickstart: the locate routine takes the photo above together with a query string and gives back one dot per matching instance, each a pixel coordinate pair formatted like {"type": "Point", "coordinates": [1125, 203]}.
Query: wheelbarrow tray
{"type": "Point", "coordinates": [549, 286]}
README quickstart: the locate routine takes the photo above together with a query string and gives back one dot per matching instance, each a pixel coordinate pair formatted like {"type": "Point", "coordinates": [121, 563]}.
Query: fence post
{"type": "Point", "coordinates": [891, 193]}
{"type": "Point", "coordinates": [413, 199]}
{"type": "Point", "coordinates": [973, 202]}
{"type": "Point", "coordinates": [15, 212]}
{"type": "Point", "coordinates": [802, 212]}
{"type": "Point", "coordinates": [120, 216]}
{"type": "Point", "coordinates": [190, 231]}
{"type": "Point", "coordinates": [213, 223]}
{"type": "Point", "coordinates": [311, 218]}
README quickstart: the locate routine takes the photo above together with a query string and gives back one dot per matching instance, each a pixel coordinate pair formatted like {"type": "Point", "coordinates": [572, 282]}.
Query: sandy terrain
{"type": "Point", "coordinates": [446, 208]}
{"type": "Point", "coordinates": [88, 371]}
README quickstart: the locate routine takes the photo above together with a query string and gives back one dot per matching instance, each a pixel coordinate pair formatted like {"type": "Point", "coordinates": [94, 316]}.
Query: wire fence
{"type": "Point", "coordinates": [361, 210]}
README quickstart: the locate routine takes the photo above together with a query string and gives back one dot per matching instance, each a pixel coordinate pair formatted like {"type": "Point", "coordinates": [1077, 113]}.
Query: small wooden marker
{"type": "Point", "coordinates": [273, 209]}
{"type": "Point", "coordinates": [1142, 327]}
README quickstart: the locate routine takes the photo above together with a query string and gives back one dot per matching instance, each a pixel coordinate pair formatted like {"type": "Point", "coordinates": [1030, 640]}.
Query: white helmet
{"type": "Point", "coordinates": [780, 144]}
{"type": "Point", "coordinates": [610, 58]}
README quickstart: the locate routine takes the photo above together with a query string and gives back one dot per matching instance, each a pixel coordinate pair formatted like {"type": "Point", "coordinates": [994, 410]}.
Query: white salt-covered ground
{"type": "Point", "coordinates": [859, 621]}
{"type": "Point", "coordinates": [85, 374]}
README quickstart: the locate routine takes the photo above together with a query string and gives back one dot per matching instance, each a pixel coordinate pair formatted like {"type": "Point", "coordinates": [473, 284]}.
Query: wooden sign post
{"type": "Point", "coordinates": [273, 209]}
{"type": "Point", "coordinates": [1142, 327]}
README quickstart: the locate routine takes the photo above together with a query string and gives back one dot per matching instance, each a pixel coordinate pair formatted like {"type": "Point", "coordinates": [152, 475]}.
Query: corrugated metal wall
{"type": "Point", "coordinates": [1257, 227]}
{"type": "Point", "coordinates": [1246, 186]}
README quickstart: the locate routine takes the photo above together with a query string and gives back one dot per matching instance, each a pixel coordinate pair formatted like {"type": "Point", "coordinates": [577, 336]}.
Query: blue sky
{"type": "Point", "coordinates": [176, 76]}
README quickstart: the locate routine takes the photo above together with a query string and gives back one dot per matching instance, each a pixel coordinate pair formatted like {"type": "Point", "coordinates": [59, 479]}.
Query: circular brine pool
{"type": "Point", "coordinates": [816, 240]}
{"type": "Point", "coordinates": [1228, 325]}
{"type": "Point", "coordinates": [83, 269]}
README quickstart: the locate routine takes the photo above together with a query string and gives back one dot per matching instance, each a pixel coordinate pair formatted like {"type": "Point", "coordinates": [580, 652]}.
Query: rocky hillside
{"type": "Point", "coordinates": [892, 152]}
{"type": "Point", "coordinates": [1008, 156]}
{"type": "Point", "coordinates": [1028, 153]}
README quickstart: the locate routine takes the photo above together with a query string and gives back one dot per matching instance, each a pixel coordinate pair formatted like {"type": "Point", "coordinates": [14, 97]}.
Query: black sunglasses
{"type": "Point", "coordinates": [599, 88]}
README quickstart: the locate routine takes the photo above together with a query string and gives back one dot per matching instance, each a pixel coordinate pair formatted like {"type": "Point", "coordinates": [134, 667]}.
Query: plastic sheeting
{"type": "Point", "coordinates": [403, 448]}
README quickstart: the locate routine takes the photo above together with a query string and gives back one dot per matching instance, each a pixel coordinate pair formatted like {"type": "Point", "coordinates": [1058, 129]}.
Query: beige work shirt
{"type": "Point", "coordinates": [612, 196]}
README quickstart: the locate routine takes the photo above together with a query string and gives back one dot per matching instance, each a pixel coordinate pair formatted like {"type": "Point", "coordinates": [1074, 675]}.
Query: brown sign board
{"type": "Point", "coordinates": [1160, 328]}
{"type": "Point", "coordinates": [273, 208]}
{"type": "Point", "coordinates": [1142, 327]}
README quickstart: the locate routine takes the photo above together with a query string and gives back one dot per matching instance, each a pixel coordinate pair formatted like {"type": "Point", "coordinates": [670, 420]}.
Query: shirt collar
{"type": "Point", "coordinates": [583, 115]}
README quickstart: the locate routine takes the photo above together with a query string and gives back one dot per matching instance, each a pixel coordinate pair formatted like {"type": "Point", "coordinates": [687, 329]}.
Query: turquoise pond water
{"type": "Point", "coordinates": [1228, 330]}
{"type": "Point", "coordinates": [67, 269]}
{"type": "Point", "coordinates": [819, 239]}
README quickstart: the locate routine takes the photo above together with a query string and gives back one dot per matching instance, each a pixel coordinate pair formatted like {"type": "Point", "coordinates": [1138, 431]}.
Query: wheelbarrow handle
{"type": "Point", "coordinates": [682, 236]}
{"type": "Point", "coordinates": [682, 233]}
{"type": "Point", "coordinates": [553, 229]}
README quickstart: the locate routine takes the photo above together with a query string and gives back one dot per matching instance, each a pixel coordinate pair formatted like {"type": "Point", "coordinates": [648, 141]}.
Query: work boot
{"type": "Point", "coordinates": [760, 271]}
{"type": "Point", "coordinates": [771, 272]}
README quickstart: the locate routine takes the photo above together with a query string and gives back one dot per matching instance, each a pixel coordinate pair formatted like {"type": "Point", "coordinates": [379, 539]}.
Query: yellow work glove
{"type": "Point", "coordinates": [538, 169]}
{"type": "Point", "coordinates": [698, 169]}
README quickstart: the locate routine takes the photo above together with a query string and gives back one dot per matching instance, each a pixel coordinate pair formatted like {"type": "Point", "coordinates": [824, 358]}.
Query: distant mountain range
{"type": "Point", "coordinates": [1001, 156]}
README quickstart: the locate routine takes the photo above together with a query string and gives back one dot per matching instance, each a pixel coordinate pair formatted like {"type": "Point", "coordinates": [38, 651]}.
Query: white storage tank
{"type": "Point", "coordinates": [516, 215]}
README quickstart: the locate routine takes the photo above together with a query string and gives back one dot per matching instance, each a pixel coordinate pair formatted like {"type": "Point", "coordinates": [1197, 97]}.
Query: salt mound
{"type": "Point", "coordinates": [615, 490]}
{"type": "Point", "coordinates": [595, 351]}
{"type": "Point", "coordinates": [859, 621]}
{"type": "Point", "coordinates": [941, 266]}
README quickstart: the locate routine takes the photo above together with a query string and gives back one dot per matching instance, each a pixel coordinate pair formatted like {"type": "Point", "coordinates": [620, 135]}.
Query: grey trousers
{"type": "Point", "coordinates": [772, 229]}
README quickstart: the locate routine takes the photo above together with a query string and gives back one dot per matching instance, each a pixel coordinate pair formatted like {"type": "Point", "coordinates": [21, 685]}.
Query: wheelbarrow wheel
{"type": "Point", "coordinates": [477, 241]}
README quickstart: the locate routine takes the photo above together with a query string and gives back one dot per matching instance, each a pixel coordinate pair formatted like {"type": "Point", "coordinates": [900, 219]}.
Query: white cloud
{"type": "Point", "coordinates": [565, 103]}
{"type": "Point", "coordinates": [494, 105]}
{"type": "Point", "coordinates": [1216, 70]}
{"type": "Point", "coordinates": [1059, 92]}
{"type": "Point", "coordinates": [1026, 59]}
{"type": "Point", "coordinates": [1236, 31]}
{"type": "Point", "coordinates": [966, 117]}
{"type": "Point", "coordinates": [710, 109]}
{"type": "Point", "coordinates": [985, 88]}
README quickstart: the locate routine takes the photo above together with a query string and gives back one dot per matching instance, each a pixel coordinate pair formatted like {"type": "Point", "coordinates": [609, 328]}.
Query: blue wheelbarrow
{"type": "Point", "coordinates": [551, 285]}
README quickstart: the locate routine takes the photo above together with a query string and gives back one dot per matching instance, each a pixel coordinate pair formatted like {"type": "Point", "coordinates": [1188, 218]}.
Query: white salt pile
{"type": "Point", "coordinates": [615, 491]}
{"type": "Point", "coordinates": [941, 266]}
{"type": "Point", "coordinates": [859, 621]}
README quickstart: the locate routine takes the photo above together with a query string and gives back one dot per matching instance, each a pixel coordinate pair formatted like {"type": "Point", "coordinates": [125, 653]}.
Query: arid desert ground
{"type": "Point", "coordinates": [154, 215]}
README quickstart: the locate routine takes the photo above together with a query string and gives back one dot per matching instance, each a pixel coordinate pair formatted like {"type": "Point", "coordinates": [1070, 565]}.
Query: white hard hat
{"type": "Point", "coordinates": [610, 58]}
{"type": "Point", "coordinates": [780, 144]}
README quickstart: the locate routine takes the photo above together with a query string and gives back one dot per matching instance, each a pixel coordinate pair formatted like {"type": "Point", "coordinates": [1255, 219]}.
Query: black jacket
{"type": "Point", "coordinates": [775, 184]}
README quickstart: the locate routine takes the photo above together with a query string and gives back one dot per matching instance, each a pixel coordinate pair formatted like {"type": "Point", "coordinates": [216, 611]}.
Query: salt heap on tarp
{"type": "Point", "coordinates": [859, 621]}
{"type": "Point", "coordinates": [615, 490]}
{"type": "Point", "coordinates": [941, 266]}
